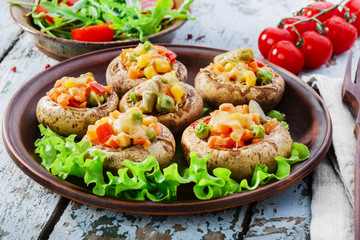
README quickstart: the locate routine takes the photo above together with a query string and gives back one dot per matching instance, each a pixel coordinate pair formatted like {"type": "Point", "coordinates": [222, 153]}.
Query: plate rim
{"type": "Point", "coordinates": [201, 206]}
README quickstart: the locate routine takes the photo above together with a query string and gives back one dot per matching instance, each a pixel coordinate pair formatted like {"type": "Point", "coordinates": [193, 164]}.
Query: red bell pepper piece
{"type": "Point", "coordinates": [97, 88]}
{"type": "Point", "coordinates": [193, 125]}
{"type": "Point", "coordinates": [259, 62]}
{"type": "Point", "coordinates": [171, 56]}
{"type": "Point", "coordinates": [104, 132]}
{"type": "Point", "coordinates": [207, 120]}
{"type": "Point", "coordinates": [40, 9]}
{"type": "Point", "coordinates": [96, 33]}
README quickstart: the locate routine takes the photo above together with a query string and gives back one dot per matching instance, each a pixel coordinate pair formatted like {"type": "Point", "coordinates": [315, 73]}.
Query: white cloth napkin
{"type": "Point", "coordinates": [333, 180]}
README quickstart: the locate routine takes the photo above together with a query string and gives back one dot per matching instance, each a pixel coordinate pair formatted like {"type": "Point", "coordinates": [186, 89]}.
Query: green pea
{"type": "Point", "coordinates": [147, 46]}
{"type": "Point", "coordinates": [165, 104]}
{"type": "Point", "coordinates": [134, 97]}
{"type": "Point", "coordinates": [277, 115]}
{"type": "Point", "coordinates": [93, 99]}
{"type": "Point", "coordinates": [136, 117]}
{"type": "Point", "coordinates": [259, 131]}
{"type": "Point", "coordinates": [264, 76]}
{"type": "Point", "coordinates": [151, 134]}
{"type": "Point", "coordinates": [202, 130]}
{"type": "Point", "coordinates": [131, 57]}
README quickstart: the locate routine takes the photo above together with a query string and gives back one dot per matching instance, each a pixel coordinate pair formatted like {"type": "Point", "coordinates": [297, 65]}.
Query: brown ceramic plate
{"type": "Point", "coordinates": [305, 112]}
{"type": "Point", "coordinates": [60, 48]}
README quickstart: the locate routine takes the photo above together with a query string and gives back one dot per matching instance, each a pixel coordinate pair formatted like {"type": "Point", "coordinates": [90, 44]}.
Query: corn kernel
{"type": "Point", "coordinates": [177, 91]}
{"type": "Point", "coordinates": [133, 109]}
{"type": "Point", "coordinates": [229, 67]}
{"type": "Point", "coordinates": [115, 114]}
{"type": "Point", "coordinates": [143, 60]}
{"type": "Point", "coordinates": [250, 79]}
{"type": "Point", "coordinates": [150, 72]}
{"type": "Point", "coordinates": [102, 120]}
{"type": "Point", "coordinates": [162, 66]}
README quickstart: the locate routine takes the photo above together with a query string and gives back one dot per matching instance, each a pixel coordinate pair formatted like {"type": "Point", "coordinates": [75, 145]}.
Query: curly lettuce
{"type": "Point", "coordinates": [145, 180]}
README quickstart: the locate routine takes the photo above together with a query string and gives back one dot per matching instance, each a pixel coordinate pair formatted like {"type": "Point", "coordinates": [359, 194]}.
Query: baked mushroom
{"type": "Point", "coordinates": [131, 136]}
{"type": "Point", "coordinates": [135, 65]}
{"type": "Point", "coordinates": [237, 139]}
{"type": "Point", "coordinates": [237, 77]}
{"type": "Point", "coordinates": [75, 103]}
{"type": "Point", "coordinates": [175, 104]}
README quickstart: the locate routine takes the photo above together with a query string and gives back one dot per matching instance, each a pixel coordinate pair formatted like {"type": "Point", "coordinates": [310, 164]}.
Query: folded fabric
{"type": "Point", "coordinates": [333, 194]}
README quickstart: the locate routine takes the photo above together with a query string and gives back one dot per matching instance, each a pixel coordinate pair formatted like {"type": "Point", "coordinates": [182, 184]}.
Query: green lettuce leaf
{"type": "Point", "coordinates": [145, 180]}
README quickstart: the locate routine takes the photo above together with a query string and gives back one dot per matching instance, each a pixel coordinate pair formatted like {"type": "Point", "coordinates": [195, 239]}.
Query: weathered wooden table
{"type": "Point", "coordinates": [29, 211]}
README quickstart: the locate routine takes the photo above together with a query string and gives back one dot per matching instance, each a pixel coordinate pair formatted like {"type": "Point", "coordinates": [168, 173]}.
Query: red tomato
{"type": "Point", "coordinates": [321, 5]}
{"type": "Point", "coordinates": [341, 33]}
{"type": "Point", "coordinates": [96, 33]}
{"type": "Point", "coordinates": [317, 49]}
{"type": "Point", "coordinates": [269, 36]}
{"type": "Point", "coordinates": [40, 9]}
{"type": "Point", "coordinates": [354, 7]}
{"type": "Point", "coordinates": [69, 2]}
{"type": "Point", "coordinates": [287, 55]}
{"type": "Point", "coordinates": [301, 27]}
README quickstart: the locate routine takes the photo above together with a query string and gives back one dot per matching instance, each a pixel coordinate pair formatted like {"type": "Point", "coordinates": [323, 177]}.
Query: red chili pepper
{"type": "Point", "coordinates": [104, 132]}
{"type": "Point", "coordinates": [47, 66]}
{"type": "Point", "coordinates": [96, 33]}
{"type": "Point", "coordinates": [40, 9]}
{"type": "Point", "coordinates": [13, 69]}
{"type": "Point", "coordinates": [207, 120]}
{"type": "Point", "coordinates": [97, 88]}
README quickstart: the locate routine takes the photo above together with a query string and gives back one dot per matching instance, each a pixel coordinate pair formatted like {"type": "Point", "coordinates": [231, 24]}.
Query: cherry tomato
{"type": "Point", "coordinates": [341, 33]}
{"type": "Point", "coordinates": [286, 55]}
{"type": "Point", "coordinates": [354, 7]}
{"type": "Point", "coordinates": [320, 5]}
{"type": "Point", "coordinates": [317, 49]}
{"type": "Point", "coordinates": [269, 36]}
{"type": "Point", "coordinates": [40, 9]}
{"type": "Point", "coordinates": [96, 33]}
{"type": "Point", "coordinates": [301, 27]}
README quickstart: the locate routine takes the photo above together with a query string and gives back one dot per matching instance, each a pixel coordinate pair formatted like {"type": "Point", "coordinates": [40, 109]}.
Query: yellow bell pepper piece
{"type": "Point", "coordinates": [150, 72]}
{"type": "Point", "coordinates": [177, 91]}
{"type": "Point", "coordinates": [162, 65]}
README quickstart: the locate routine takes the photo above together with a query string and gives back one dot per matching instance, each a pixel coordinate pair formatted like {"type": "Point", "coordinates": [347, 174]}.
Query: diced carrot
{"type": "Point", "coordinates": [253, 65]}
{"type": "Point", "coordinates": [270, 125]}
{"type": "Point", "coordinates": [147, 143]}
{"type": "Point", "coordinates": [219, 68]}
{"type": "Point", "coordinates": [161, 50]}
{"type": "Point", "coordinates": [257, 140]}
{"type": "Point", "coordinates": [240, 144]}
{"type": "Point", "coordinates": [139, 141]}
{"type": "Point", "coordinates": [123, 56]}
{"type": "Point", "coordinates": [108, 88]}
{"type": "Point", "coordinates": [227, 107]}
{"type": "Point", "coordinates": [227, 143]}
{"type": "Point", "coordinates": [112, 143]}
{"type": "Point", "coordinates": [245, 108]}
{"type": "Point", "coordinates": [138, 104]}
{"type": "Point", "coordinates": [255, 118]}
{"type": "Point", "coordinates": [63, 99]}
{"type": "Point", "coordinates": [248, 135]}
{"type": "Point", "coordinates": [224, 128]}
{"type": "Point", "coordinates": [134, 73]}
{"type": "Point", "coordinates": [58, 83]}
{"type": "Point", "coordinates": [212, 140]}
{"type": "Point", "coordinates": [156, 127]}
{"type": "Point", "coordinates": [237, 135]}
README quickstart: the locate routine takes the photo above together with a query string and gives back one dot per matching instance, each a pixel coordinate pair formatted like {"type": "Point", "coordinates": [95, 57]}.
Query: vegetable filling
{"type": "Point", "coordinates": [80, 92]}
{"type": "Point", "coordinates": [124, 129]}
{"type": "Point", "coordinates": [235, 127]}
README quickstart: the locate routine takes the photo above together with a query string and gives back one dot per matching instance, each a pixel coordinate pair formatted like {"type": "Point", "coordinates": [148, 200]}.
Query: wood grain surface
{"type": "Point", "coordinates": [29, 211]}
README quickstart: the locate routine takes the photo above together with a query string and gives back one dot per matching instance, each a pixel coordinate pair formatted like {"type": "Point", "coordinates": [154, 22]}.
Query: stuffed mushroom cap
{"type": "Point", "coordinates": [123, 143]}
{"type": "Point", "coordinates": [235, 77]}
{"type": "Point", "coordinates": [240, 161]}
{"type": "Point", "coordinates": [66, 120]}
{"type": "Point", "coordinates": [122, 78]}
{"type": "Point", "coordinates": [190, 109]}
